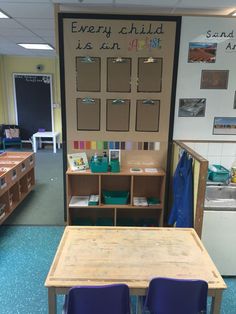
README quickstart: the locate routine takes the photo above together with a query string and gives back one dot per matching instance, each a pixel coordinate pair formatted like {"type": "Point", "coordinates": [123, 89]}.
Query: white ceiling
{"type": "Point", "coordinates": [32, 21]}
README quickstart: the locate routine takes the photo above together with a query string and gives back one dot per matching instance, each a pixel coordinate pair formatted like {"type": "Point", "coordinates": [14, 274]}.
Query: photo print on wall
{"type": "Point", "coordinates": [214, 79]}
{"type": "Point", "coordinates": [192, 107]}
{"type": "Point", "coordinates": [202, 52]}
{"type": "Point", "coordinates": [224, 126]}
{"type": "Point", "coordinates": [234, 100]}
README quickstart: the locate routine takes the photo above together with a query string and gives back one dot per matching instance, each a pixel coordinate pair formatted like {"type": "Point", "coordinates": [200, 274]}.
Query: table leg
{"type": "Point", "coordinates": [216, 302]}
{"type": "Point", "coordinates": [58, 142]}
{"type": "Point", "coordinates": [40, 142]}
{"type": "Point", "coordinates": [52, 301]}
{"type": "Point", "coordinates": [34, 144]}
{"type": "Point", "coordinates": [54, 144]}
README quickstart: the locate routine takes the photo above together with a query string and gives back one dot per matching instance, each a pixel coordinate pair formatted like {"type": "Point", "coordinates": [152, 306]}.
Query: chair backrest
{"type": "Point", "coordinates": [176, 296]}
{"type": "Point", "coordinates": [98, 299]}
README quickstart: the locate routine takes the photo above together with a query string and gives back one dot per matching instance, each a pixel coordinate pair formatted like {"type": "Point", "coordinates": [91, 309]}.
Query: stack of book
{"type": "Point", "coordinates": [84, 200]}
{"type": "Point", "coordinates": [140, 201]}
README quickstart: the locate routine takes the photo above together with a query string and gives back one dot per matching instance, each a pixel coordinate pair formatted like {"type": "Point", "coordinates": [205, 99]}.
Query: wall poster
{"type": "Point", "coordinates": [106, 59]}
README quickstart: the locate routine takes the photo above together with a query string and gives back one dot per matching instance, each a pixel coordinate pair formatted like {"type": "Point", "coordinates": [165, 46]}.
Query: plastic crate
{"type": "Point", "coordinates": [115, 197]}
{"type": "Point", "coordinates": [220, 174]}
{"type": "Point", "coordinates": [99, 165]}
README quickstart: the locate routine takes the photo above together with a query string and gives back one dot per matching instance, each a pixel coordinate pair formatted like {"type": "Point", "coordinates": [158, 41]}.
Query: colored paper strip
{"type": "Point", "coordinates": [140, 145]}
{"type": "Point", "coordinates": [157, 146]}
{"type": "Point", "coordinates": [122, 145]}
{"type": "Point", "coordinates": [145, 145]}
{"type": "Point", "coordinates": [76, 145]}
{"type": "Point", "coordinates": [151, 146]}
{"type": "Point", "coordinates": [88, 145]}
{"type": "Point", "coordinates": [100, 145]}
{"type": "Point", "coordinates": [93, 145]}
{"type": "Point", "coordinates": [105, 145]}
{"type": "Point", "coordinates": [81, 144]}
{"type": "Point", "coordinates": [117, 145]}
{"type": "Point", "coordinates": [128, 145]}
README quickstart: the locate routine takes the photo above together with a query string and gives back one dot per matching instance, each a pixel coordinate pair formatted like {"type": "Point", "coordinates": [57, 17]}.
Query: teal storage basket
{"type": "Point", "coordinates": [99, 165]}
{"type": "Point", "coordinates": [220, 175]}
{"type": "Point", "coordinates": [115, 197]}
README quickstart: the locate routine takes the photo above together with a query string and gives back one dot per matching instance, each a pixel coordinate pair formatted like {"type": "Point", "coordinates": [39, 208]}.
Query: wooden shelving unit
{"type": "Point", "coordinates": [17, 179]}
{"type": "Point", "coordinates": [141, 184]}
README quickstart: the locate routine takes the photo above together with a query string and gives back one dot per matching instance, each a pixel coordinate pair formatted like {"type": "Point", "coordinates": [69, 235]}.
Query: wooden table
{"type": "Point", "coordinates": [105, 255]}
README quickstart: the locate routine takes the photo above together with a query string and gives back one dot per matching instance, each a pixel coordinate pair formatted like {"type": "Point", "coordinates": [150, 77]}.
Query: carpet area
{"type": "Point", "coordinates": [26, 253]}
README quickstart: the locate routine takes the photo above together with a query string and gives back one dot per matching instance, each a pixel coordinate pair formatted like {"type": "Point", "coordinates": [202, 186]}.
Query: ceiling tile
{"type": "Point", "coordinates": [37, 23]}
{"type": "Point", "coordinates": [9, 24]}
{"type": "Point", "coordinates": [15, 32]}
{"type": "Point", "coordinates": [32, 10]}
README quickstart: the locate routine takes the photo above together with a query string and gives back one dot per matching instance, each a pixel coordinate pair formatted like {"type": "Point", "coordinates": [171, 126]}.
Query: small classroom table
{"type": "Point", "coordinates": [55, 139]}
{"type": "Point", "coordinates": [106, 255]}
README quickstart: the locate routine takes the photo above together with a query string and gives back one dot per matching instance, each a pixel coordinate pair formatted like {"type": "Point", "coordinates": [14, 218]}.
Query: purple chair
{"type": "Point", "coordinates": [108, 299]}
{"type": "Point", "coordinates": [176, 296]}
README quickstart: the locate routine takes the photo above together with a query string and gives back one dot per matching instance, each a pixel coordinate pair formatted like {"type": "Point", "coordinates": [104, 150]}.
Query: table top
{"type": "Point", "coordinates": [45, 134]}
{"type": "Point", "coordinates": [104, 255]}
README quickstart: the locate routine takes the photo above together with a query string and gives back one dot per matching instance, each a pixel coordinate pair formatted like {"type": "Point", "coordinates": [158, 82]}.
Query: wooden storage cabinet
{"type": "Point", "coordinates": [142, 184]}
{"type": "Point", "coordinates": [17, 180]}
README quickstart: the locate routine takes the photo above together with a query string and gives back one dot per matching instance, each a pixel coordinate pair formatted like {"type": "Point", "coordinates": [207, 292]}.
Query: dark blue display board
{"type": "Point", "coordinates": [33, 103]}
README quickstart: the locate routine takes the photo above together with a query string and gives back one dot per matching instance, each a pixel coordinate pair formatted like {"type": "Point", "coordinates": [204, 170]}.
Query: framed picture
{"type": "Point", "coordinates": [224, 126]}
{"type": "Point", "coordinates": [114, 154]}
{"type": "Point", "coordinates": [235, 100]}
{"type": "Point", "coordinates": [214, 79]}
{"type": "Point", "coordinates": [202, 52]}
{"type": "Point", "coordinates": [192, 107]}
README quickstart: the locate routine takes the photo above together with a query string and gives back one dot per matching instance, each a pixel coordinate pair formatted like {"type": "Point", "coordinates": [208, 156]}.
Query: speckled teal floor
{"type": "Point", "coordinates": [26, 254]}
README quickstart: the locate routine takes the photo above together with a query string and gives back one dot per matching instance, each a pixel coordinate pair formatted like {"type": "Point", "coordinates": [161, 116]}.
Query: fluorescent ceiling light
{"type": "Point", "coordinates": [37, 46]}
{"type": "Point", "coordinates": [3, 15]}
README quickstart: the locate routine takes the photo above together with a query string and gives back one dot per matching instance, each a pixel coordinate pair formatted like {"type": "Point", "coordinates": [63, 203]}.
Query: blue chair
{"type": "Point", "coordinates": [108, 299]}
{"type": "Point", "coordinates": [10, 135]}
{"type": "Point", "coordinates": [176, 296]}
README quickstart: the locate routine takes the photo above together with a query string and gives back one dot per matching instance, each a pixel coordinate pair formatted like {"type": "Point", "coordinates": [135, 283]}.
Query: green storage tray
{"type": "Point", "coordinates": [115, 197]}
{"type": "Point", "coordinates": [220, 175]}
{"type": "Point", "coordinates": [99, 165]}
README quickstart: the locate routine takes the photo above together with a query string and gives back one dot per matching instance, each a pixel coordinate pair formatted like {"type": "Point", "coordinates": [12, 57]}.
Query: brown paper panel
{"type": "Point", "coordinates": [149, 75]}
{"type": "Point", "coordinates": [118, 75]}
{"type": "Point", "coordinates": [147, 115]}
{"type": "Point", "coordinates": [88, 75]}
{"type": "Point", "coordinates": [118, 115]}
{"type": "Point", "coordinates": [88, 115]}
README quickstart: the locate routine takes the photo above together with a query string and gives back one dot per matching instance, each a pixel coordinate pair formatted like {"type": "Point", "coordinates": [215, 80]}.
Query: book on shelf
{"type": "Point", "coordinates": [150, 170]}
{"type": "Point", "coordinates": [135, 169]}
{"type": "Point", "coordinates": [93, 200]}
{"type": "Point", "coordinates": [140, 201]}
{"type": "Point", "coordinates": [79, 201]}
{"type": "Point", "coordinates": [78, 161]}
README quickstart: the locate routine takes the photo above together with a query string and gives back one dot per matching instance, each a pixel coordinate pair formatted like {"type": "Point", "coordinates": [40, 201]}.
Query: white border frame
{"type": "Point", "coordinates": [117, 151]}
{"type": "Point", "coordinates": [51, 97]}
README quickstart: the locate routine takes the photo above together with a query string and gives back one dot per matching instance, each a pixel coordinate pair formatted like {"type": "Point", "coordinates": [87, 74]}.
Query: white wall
{"type": "Point", "coordinates": [219, 103]}
{"type": "Point", "coordinates": [216, 153]}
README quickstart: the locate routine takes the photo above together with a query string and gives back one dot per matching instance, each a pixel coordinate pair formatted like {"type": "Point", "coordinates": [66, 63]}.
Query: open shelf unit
{"type": "Point", "coordinates": [142, 184]}
{"type": "Point", "coordinates": [17, 179]}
